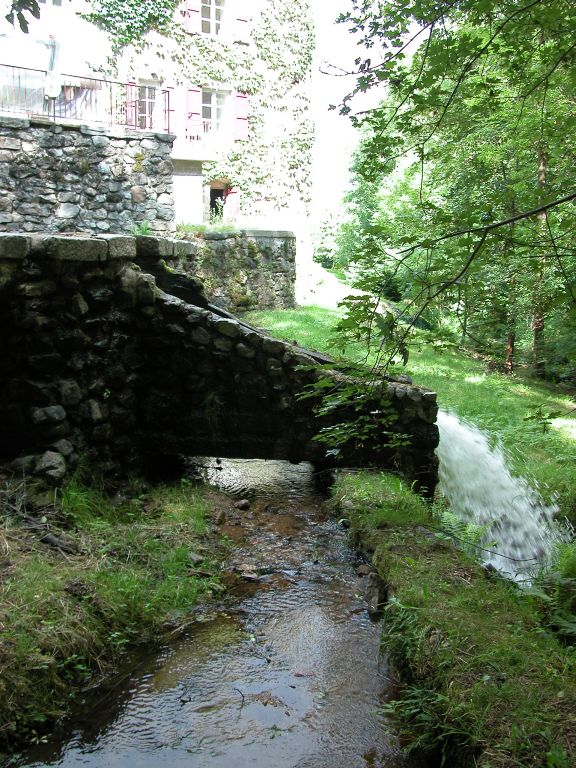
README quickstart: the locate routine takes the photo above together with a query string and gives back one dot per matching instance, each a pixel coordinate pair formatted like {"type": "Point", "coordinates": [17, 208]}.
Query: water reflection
{"type": "Point", "coordinates": [289, 677]}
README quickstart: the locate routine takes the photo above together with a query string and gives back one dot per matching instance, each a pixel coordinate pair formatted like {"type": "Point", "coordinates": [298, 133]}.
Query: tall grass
{"type": "Point", "coordinates": [499, 404]}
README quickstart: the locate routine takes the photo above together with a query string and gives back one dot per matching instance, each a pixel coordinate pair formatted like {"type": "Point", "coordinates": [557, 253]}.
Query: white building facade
{"type": "Point", "coordinates": [59, 70]}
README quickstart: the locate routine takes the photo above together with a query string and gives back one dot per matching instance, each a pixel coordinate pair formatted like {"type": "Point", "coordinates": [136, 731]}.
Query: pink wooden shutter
{"type": "Point", "coordinates": [232, 203]}
{"type": "Point", "coordinates": [192, 16]}
{"type": "Point", "coordinates": [241, 31]}
{"type": "Point", "coordinates": [132, 105]}
{"type": "Point", "coordinates": [194, 114]}
{"type": "Point", "coordinates": [241, 109]}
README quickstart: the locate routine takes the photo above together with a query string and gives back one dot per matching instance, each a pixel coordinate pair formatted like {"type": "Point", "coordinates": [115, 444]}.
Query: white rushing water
{"type": "Point", "coordinates": [480, 489]}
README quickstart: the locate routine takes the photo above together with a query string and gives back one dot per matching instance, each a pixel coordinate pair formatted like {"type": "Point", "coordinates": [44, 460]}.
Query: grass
{"type": "Point", "coordinates": [486, 680]}
{"type": "Point", "coordinates": [192, 231]}
{"type": "Point", "coordinates": [483, 683]}
{"type": "Point", "coordinates": [500, 404]}
{"type": "Point", "coordinates": [66, 615]}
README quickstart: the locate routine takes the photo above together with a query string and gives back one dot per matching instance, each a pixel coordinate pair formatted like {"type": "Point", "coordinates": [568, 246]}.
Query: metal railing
{"type": "Point", "coordinates": [198, 129]}
{"type": "Point", "coordinates": [59, 97]}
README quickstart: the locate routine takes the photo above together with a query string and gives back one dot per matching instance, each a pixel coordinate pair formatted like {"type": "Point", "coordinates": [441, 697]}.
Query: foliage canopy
{"type": "Point", "coordinates": [475, 223]}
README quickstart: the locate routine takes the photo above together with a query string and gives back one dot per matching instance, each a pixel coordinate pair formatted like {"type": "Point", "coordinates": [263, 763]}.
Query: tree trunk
{"type": "Point", "coordinates": [538, 320]}
{"type": "Point", "coordinates": [511, 304]}
{"type": "Point", "coordinates": [510, 350]}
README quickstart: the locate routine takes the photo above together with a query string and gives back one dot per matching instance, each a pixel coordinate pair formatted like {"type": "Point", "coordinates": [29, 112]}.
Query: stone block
{"type": "Point", "coordinates": [154, 247]}
{"type": "Point", "coordinates": [84, 249]}
{"type": "Point", "coordinates": [77, 305]}
{"type": "Point", "coordinates": [229, 328]}
{"type": "Point", "coordinates": [92, 411]}
{"type": "Point", "coordinates": [184, 249]}
{"type": "Point", "coordinates": [9, 142]}
{"type": "Point", "coordinates": [64, 447]}
{"type": "Point", "coordinates": [146, 290]}
{"type": "Point", "coordinates": [100, 141]}
{"type": "Point", "coordinates": [14, 246]}
{"type": "Point", "coordinates": [273, 366]}
{"type": "Point", "coordinates": [67, 211]}
{"type": "Point", "coordinates": [200, 336]}
{"type": "Point", "coordinates": [273, 346]}
{"type": "Point", "coordinates": [246, 352]}
{"type": "Point", "coordinates": [222, 344]}
{"type": "Point", "coordinates": [37, 289]}
{"type": "Point", "coordinates": [53, 414]}
{"type": "Point", "coordinates": [297, 358]}
{"type": "Point", "coordinates": [149, 144]}
{"type": "Point", "coordinates": [51, 465]}
{"type": "Point", "coordinates": [70, 392]}
{"type": "Point", "coordinates": [14, 122]}
{"type": "Point", "coordinates": [138, 194]}
{"type": "Point", "coordinates": [120, 246]}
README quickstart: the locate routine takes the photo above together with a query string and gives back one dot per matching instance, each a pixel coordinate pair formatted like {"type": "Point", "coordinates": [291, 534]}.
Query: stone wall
{"type": "Point", "coordinates": [248, 269]}
{"type": "Point", "coordinates": [97, 361]}
{"type": "Point", "coordinates": [63, 178]}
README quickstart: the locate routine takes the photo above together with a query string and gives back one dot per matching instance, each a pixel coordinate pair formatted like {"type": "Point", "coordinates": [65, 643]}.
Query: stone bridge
{"type": "Point", "coordinates": [107, 353]}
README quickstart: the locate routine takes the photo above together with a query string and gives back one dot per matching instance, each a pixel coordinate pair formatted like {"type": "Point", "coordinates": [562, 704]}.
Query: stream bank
{"type": "Point", "coordinates": [88, 576]}
{"type": "Point", "coordinates": [287, 672]}
{"type": "Point", "coordinates": [484, 682]}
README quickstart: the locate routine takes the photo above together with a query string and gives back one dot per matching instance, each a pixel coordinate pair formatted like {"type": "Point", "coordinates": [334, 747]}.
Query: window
{"type": "Point", "coordinates": [213, 106]}
{"type": "Point", "coordinates": [212, 12]}
{"type": "Point", "coordinates": [145, 106]}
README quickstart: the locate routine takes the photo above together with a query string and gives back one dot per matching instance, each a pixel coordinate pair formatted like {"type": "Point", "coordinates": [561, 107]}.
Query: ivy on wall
{"type": "Point", "coordinates": [128, 21]}
{"type": "Point", "coordinates": [273, 164]}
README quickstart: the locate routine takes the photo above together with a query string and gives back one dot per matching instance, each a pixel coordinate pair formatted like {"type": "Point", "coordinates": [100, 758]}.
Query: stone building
{"type": "Point", "coordinates": [226, 90]}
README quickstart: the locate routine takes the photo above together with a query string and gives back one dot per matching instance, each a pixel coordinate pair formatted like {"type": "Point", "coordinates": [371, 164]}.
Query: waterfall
{"type": "Point", "coordinates": [480, 489]}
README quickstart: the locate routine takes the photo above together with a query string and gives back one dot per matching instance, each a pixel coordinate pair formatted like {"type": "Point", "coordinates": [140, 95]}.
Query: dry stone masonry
{"type": "Point", "coordinates": [64, 178]}
{"type": "Point", "coordinates": [247, 269]}
{"type": "Point", "coordinates": [97, 361]}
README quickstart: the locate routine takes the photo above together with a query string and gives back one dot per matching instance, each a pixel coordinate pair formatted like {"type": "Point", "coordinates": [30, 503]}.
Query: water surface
{"type": "Point", "coordinates": [288, 677]}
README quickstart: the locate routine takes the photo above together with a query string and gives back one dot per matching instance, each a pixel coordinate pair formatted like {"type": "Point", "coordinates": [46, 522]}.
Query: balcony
{"type": "Point", "coordinates": [72, 99]}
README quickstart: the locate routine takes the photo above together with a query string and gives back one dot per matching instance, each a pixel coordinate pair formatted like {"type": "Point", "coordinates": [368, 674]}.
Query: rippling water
{"type": "Point", "coordinates": [289, 677]}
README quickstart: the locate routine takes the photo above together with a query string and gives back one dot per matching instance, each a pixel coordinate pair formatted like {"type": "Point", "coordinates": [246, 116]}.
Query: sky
{"type": "Point", "coordinates": [335, 137]}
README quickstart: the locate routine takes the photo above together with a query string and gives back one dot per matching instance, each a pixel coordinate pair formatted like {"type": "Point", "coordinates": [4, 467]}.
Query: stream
{"type": "Point", "coordinates": [288, 676]}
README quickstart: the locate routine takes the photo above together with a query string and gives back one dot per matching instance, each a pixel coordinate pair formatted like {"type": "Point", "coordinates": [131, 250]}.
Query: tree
{"type": "Point", "coordinates": [18, 11]}
{"type": "Point", "coordinates": [484, 111]}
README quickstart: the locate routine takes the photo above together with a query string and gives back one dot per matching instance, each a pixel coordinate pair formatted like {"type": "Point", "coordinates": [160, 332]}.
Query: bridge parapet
{"type": "Point", "coordinates": [96, 359]}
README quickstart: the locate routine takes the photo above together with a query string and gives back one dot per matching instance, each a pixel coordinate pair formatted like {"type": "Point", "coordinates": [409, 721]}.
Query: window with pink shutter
{"type": "Point", "coordinates": [242, 108]}
{"type": "Point", "coordinates": [212, 16]}
{"type": "Point", "coordinates": [191, 11]}
{"type": "Point", "coordinates": [242, 18]}
{"type": "Point", "coordinates": [194, 131]}
{"type": "Point", "coordinates": [131, 105]}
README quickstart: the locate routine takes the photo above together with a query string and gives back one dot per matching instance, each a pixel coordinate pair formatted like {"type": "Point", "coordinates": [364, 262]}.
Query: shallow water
{"type": "Point", "coordinates": [288, 677]}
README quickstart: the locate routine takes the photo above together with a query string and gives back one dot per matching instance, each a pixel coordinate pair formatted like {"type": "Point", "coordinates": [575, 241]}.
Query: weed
{"type": "Point", "coordinates": [143, 229]}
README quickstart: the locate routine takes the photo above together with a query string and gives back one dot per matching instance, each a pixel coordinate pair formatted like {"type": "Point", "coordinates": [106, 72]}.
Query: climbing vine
{"type": "Point", "coordinates": [128, 21]}
{"type": "Point", "coordinates": [272, 164]}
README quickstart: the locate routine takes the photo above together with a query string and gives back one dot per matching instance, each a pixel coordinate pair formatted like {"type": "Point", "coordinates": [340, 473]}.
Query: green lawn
{"type": "Point", "coordinates": [493, 401]}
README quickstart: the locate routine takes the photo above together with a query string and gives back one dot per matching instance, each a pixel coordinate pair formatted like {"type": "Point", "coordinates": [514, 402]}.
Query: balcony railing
{"type": "Point", "coordinates": [198, 129]}
{"type": "Point", "coordinates": [34, 92]}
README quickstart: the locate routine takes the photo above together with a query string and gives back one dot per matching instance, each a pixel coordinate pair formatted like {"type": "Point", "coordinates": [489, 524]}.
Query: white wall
{"type": "Point", "coordinates": [188, 192]}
